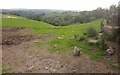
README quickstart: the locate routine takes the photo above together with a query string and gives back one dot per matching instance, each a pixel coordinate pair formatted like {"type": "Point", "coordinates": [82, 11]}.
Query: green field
{"type": "Point", "coordinates": [67, 34]}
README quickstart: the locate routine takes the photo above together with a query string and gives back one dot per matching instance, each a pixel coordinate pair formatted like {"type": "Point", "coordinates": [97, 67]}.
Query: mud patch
{"type": "Point", "coordinates": [7, 16]}
{"type": "Point", "coordinates": [13, 36]}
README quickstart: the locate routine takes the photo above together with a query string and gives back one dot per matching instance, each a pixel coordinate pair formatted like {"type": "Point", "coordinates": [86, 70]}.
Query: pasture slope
{"type": "Point", "coordinates": [32, 46]}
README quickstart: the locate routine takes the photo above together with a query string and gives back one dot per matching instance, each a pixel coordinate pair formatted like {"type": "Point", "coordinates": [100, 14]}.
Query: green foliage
{"type": "Point", "coordinates": [102, 45]}
{"type": "Point", "coordinates": [91, 32]}
{"type": "Point", "coordinates": [98, 56]}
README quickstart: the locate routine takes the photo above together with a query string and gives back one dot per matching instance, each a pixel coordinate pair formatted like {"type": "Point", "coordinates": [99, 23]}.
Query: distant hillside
{"type": "Point", "coordinates": [58, 17]}
{"type": "Point", "coordinates": [26, 12]}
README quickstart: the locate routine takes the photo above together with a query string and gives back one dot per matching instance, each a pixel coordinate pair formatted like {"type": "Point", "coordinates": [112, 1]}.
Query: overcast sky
{"type": "Point", "coordinates": [79, 5]}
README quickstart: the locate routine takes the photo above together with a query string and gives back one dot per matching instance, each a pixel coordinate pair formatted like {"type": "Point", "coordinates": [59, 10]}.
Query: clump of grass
{"type": "Point", "coordinates": [80, 38]}
{"type": "Point", "coordinates": [91, 32]}
{"type": "Point", "coordinates": [98, 56]}
{"type": "Point", "coordinates": [102, 45]}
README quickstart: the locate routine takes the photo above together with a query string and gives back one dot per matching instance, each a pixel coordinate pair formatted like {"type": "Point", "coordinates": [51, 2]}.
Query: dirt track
{"type": "Point", "coordinates": [21, 54]}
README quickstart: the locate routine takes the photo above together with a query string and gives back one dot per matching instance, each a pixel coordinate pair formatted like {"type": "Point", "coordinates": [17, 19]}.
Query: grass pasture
{"type": "Point", "coordinates": [64, 35]}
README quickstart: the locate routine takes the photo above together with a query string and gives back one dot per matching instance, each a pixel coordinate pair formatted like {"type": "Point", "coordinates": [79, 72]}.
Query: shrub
{"type": "Point", "coordinates": [102, 44]}
{"type": "Point", "coordinates": [91, 32]}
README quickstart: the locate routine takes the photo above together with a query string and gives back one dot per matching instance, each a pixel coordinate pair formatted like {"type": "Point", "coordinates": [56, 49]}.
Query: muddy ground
{"type": "Point", "coordinates": [21, 55]}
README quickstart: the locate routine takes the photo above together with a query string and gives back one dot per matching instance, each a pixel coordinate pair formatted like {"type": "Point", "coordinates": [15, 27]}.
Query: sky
{"type": "Point", "coordinates": [79, 5]}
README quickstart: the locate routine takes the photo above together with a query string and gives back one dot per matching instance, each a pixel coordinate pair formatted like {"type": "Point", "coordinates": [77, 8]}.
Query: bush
{"type": "Point", "coordinates": [91, 32]}
{"type": "Point", "coordinates": [102, 44]}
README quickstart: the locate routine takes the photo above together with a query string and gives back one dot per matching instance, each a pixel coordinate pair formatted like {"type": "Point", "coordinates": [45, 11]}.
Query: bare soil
{"type": "Point", "coordinates": [7, 16]}
{"type": "Point", "coordinates": [22, 55]}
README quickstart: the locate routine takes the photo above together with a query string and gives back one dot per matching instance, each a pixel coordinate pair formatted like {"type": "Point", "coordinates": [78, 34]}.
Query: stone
{"type": "Point", "coordinates": [58, 62]}
{"type": "Point", "coordinates": [54, 70]}
{"type": "Point", "coordinates": [76, 51]}
{"type": "Point", "coordinates": [35, 41]}
{"type": "Point", "coordinates": [110, 51]}
{"type": "Point", "coordinates": [92, 42]}
{"type": "Point", "coordinates": [46, 68]}
{"type": "Point", "coordinates": [55, 46]}
{"type": "Point", "coordinates": [100, 34]}
{"type": "Point", "coordinates": [61, 65]}
{"type": "Point", "coordinates": [31, 68]}
{"type": "Point", "coordinates": [60, 37]}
